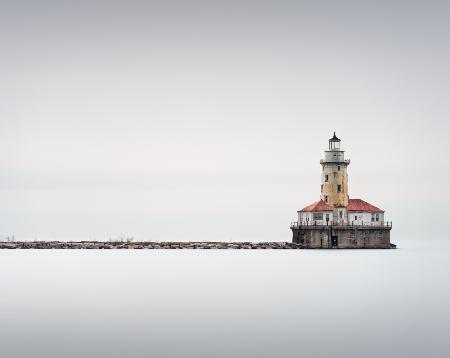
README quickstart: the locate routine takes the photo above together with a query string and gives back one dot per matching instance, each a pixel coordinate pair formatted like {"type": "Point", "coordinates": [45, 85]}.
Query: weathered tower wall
{"type": "Point", "coordinates": [334, 184]}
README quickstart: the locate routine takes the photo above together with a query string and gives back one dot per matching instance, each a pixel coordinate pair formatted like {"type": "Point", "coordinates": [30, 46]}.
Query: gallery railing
{"type": "Point", "coordinates": [346, 161]}
{"type": "Point", "coordinates": [297, 224]}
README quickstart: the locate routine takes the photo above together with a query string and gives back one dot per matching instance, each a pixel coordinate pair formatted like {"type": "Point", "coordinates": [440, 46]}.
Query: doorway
{"type": "Point", "coordinates": [334, 241]}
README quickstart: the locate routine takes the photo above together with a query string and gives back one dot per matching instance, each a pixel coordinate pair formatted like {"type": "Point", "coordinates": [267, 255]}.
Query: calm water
{"type": "Point", "coordinates": [380, 303]}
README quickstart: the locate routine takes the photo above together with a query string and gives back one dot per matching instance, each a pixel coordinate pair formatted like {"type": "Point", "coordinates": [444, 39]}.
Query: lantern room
{"type": "Point", "coordinates": [334, 143]}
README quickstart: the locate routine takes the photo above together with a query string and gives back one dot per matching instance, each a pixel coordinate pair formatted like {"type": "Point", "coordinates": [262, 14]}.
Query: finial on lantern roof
{"type": "Point", "coordinates": [335, 139]}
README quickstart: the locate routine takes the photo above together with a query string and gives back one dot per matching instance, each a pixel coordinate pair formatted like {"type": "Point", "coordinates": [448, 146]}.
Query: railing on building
{"type": "Point", "coordinates": [346, 161]}
{"type": "Point", "coordinates": [297, 224]}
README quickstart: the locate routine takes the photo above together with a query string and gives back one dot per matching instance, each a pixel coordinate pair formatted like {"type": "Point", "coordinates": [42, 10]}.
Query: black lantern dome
{"type": "Point", "coordinates": [335, 142]}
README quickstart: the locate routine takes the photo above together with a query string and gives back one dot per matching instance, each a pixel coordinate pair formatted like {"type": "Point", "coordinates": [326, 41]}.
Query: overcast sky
{"type": "Point", "coordinates": [207, 119]}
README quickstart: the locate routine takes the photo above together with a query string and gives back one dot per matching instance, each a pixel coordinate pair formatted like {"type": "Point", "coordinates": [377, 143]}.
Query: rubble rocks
{"type": "Point", "coordinates": [166, 245]}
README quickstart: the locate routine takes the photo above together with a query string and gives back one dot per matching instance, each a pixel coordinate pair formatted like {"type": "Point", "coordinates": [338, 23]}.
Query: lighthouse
{"type": "Point", "coordinates": [336, 221]}
{"type": "Point", "coordinates": [334, 183]}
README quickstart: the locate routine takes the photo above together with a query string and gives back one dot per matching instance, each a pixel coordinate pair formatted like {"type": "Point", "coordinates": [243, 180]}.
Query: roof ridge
{"type": "Point", "coordinates": [319, 205]}
{"type": "Point", "coordinates": [362, 206]}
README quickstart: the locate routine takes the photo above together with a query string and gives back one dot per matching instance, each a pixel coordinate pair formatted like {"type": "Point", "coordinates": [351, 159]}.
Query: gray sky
{"type": "Point", "coordinates": [207, 120]}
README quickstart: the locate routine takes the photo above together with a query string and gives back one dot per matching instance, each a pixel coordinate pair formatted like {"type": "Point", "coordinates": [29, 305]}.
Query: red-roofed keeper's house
{"type": "Point", "coordinates": [361, 212]}
{"type": "Point", "coordinates": [318, 212]}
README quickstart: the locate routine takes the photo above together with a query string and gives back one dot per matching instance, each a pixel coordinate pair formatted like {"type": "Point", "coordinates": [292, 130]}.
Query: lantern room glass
{"type": "Point", "coordinates": [335, 144]}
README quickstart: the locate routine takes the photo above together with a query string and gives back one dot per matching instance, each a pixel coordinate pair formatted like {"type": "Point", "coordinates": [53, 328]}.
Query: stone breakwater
{"type": "Point", "coordinates": [167, 245]}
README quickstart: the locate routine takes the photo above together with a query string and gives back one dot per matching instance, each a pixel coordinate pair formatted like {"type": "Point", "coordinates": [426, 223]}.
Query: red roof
{"type": "Point", "coordinates": [362, 206]}
{"type": "Point", "coordinates": [318, 206]}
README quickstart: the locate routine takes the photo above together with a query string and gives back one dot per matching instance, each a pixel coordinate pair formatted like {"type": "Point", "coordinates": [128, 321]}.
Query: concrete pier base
{"type": "Point", "coordinates": [342, 237]}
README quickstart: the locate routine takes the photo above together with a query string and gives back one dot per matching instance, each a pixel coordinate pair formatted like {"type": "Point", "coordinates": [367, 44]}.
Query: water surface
{"type": "Point", "coordinates": [212, 303]}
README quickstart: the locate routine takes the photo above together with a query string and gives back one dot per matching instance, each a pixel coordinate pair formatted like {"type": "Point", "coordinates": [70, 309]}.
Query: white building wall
{"type": "Point", "coordinates": [340, 216]}
{"type": "Point", "coordinates": [304, 217]}
{"type": "Point", "coordinates": [360, 218]}
{"type": "Point", "coordinates": [350, 218]}
{"type": "Point", "coordinates": [307, 218]}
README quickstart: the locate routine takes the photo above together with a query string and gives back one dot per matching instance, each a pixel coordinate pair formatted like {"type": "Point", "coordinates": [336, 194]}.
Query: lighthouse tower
{"type": "Point", "coordinates": [335, 221]}
{"type": "Point", "coordinates": [334, 185]}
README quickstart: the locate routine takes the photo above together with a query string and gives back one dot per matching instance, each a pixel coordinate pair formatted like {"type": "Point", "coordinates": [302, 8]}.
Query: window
{"type": "Point", "coordinates": [377, 217]}
{"type": "Point", "coordinates": [356, 218]}
{"type": "Point", "coordinates": [327, 217]}
{"type": "Point", "coordinates": [326, 198]}
{"type": "Point", "coordinates": [317, 216]}
{"type": "Point", "coordinates": [339, 168]}
{"type": "Point", "coordinates": [339, 188]}
{"type": "Point", "coordinates": [340, 214]}
{"type": "Point", "coordinates": [321, 188]}
{"type": "Point", "coordinates": [326, 177]}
